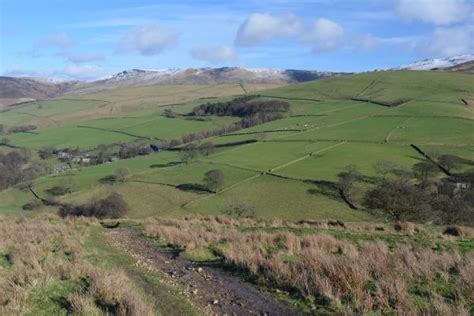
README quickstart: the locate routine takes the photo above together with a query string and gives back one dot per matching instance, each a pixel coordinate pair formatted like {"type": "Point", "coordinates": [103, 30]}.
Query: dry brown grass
{"type": "Point", "coordinates": [42, 251]}
{"type": "Point", "coordinates": [340, 275]}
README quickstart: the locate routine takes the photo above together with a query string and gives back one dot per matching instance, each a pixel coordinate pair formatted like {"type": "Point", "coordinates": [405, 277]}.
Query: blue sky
{"type": "Point", "coordinates": [89, 39]}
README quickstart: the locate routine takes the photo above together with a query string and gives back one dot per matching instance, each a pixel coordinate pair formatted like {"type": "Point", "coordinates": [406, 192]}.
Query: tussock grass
{"type": "Point", "coordinates": [44, 270]}
{"type": "Point", "coordinates": [330, 274]}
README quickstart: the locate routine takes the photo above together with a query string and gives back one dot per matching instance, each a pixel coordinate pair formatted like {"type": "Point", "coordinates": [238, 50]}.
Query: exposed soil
{"type": "Point", "coordinates": [209, 288]}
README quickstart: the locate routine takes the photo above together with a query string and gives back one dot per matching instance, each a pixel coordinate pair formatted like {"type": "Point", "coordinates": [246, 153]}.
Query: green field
{"type": "Point", "coordinates": [323, 134]}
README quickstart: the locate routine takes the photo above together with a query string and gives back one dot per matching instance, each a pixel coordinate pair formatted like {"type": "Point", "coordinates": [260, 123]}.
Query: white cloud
{"type": "Point", "coordinates": [148, 40]}
{"type": "Point", "coordinates": [59, 40]}
{"type": "Point", "coordinates": [71, 72]}
{"type": "Point", "coordinates": [439, 12]}
{"type": "Point", "coordinates": [365, 43]}
{"type": "Point", "coordinates": [83, 72]}
{"type": "Point", "coordinates": [447, 42]}
{"type": "Point", "coordinates": [81, 57]}
{"type": "Point", "coordinates": [324, 36]}
{"type": "Point", "coordinates": [262, 27]}
{"type": "Point", "coordinates": [215, 55]}
{"type": "Point", "coordinates": [20, 72]}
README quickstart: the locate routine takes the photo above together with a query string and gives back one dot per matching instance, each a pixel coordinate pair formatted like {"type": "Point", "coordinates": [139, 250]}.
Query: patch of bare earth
{"type": "Point", "coordinates": [211, 289]}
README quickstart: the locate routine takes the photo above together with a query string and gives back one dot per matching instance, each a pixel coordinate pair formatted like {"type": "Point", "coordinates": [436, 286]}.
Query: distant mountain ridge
{"type": "Point", "coordinates": [215, 76]}
{"type": "Point", "coordinates": [14, 90]}
{"type": "Point", "coordinates": [20, 89]}
{"type": "Point", "coordinates": [438, 63]}
{"type": "Point", "coordinates": [36, 88]}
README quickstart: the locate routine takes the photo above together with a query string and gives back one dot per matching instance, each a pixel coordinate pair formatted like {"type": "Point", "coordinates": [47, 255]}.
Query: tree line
{"type": "Point", "coordinates": [419, 194]}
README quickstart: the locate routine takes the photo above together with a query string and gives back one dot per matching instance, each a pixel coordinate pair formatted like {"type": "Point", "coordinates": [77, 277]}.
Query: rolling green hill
{"type": "Point", "coordinates": [348, 120]}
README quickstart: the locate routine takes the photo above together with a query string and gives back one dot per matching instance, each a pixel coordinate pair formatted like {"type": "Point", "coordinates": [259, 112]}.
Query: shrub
{"type": "Point", "coordinates": [32, 205]}
{"type": "Point", "coordinates": [458, 231]}
{"type": "Point", "coordinates": [59, 190]}
{"type": "Point", "coordinates": [112, 206]}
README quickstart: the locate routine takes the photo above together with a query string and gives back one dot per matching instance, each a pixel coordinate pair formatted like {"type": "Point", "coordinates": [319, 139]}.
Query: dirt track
{"type": "Point", "coordinates": [211, 289]}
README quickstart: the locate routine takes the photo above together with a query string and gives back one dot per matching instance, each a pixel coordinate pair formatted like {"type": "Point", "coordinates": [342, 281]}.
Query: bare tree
{"type": "Point", "coordinates": [207, 148]}
{"type": "Point", "coordinates": [188, 153]}
{"type": "Point", "coordinates": [347, 180]}
{"type": "Point", "coordinates": [450, 162]}
{"type": "Point", "coordinates": [121, 174]}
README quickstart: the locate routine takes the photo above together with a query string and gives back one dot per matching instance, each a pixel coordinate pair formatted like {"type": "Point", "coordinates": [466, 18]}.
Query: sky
{"type": "Point", "coordinates": [90, 39]}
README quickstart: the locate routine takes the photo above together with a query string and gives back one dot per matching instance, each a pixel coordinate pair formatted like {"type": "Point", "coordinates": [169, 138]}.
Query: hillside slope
{"type": "Point", "coordinates": [286, 168]}
{"type": "Point", "coordinates": [14, 90]}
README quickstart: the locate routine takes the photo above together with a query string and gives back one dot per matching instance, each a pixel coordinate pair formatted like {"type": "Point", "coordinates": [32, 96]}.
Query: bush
{"type": "Point", "coordinates": [458, 231]}
{"type": "Point", "coordinates": [32, 205]}
{"type": "Point", "coordinates": [113, 206]}
{"type": "Point", "coordinates": [59, 190]}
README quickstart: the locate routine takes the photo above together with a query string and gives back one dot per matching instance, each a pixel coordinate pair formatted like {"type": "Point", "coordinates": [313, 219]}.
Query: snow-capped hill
{"type": "Point", "coordinates": [211, 76]}
{"type": "Point", "coordinates": [189, 76]}
{"type": "Point", "coordinates": [438, 63]}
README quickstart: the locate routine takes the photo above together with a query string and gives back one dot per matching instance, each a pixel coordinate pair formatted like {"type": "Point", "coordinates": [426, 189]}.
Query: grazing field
{"type": "Point", "coordinates": [332, 123]}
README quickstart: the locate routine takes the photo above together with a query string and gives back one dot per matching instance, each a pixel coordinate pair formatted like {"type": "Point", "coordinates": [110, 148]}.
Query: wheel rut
{"type": "Point", "coordinates": [210, 288]}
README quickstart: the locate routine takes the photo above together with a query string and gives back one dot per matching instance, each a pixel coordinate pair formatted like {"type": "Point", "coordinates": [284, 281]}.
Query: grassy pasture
{"type": "Point", "coordinates": [337, 130]}
{"type": "Point", "coordinates": [45, 113]}
{"type": "Point", "coordinates": [263, 156]}
{"type": "Point", "coordinates": [326, 165]}
{"type": "Point", "coordinates": [193, 173]}
{"type": "Point", "coordinates": [68, 137]}
{"type": "Point", "coordinates": [440, 131]}
{"type": "Point", "coordinates": [274, 197]}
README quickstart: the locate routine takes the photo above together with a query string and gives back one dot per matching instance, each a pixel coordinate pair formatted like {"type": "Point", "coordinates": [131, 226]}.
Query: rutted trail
{"type": "Point", "coordinates": [212, 289]}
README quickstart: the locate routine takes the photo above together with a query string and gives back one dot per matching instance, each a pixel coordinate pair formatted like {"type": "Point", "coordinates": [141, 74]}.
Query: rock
{"type": "Point", "coordinates": [195, 291]}
{"type": "Point", "coordinates": [199, 269]}
{"type": "Point", "coordinates": [215, 302]}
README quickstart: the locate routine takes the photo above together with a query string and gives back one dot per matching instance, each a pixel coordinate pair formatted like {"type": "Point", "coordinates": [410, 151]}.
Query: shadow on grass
{"type": "Point", "coordinates": [194, 187]}
{"type": "Point", "coordinates": [164, 165]}
{"type": "Point", "coordinates": [325, 190]}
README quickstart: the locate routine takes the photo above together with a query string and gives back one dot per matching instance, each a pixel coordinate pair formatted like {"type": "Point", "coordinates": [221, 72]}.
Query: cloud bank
{"type": "Point", "coordinates": [324, 36]}
{"type": "Point", "coordinates": [215, 55]}
{"type": "Point", "coordinates": [262, 27]}
{"type": "Point", "coordinates": [439, 12]}
{"type": "Point", "coordinates": [147, 40]}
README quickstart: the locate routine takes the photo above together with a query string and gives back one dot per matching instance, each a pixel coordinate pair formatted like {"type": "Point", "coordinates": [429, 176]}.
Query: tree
{"type": "Point", "coordinates": [398, 199]}
{"type": "Point", "coordinates": [207, 148]}
{"type": "Point", "coordinates": [121, 174]}
{"type": "Point", "coordinates": [425, 170]}
{"type": "Point", "coordinates": [188, 153]}
{"type": "Point", "coordinates": [214, 179]}
{"type": "Point", "coordinates": [347, 179]}
{"type": "Point", "coordinates": [450, 162]}
{"type": "Point", "coordinates": [385, 167]}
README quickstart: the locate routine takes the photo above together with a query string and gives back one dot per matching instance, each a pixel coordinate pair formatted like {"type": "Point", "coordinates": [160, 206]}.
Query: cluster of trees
{"type": "Point", "coordinates": [16, 167]}
{"type": "Point", "coordinates": [112, 206]}
{"type": "Point", "coordinates": [245, 122]}
{"type": "Point", "coordinates": [4, 130]}
{"type": "Point", "coordinates": [223, 108]}
{"type": "Point", "coordinates": [191, 151]}
{"type": "Point", "coordinates": [134, 149]}
{"type": "Point", "coordinates": [419, 194]}
{"type": "Point", "coordinates": [242, 108]}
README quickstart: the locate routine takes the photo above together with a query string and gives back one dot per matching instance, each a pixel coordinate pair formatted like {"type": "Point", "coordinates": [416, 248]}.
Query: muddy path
{"type": "Point", "coordinates": [211, 289]}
